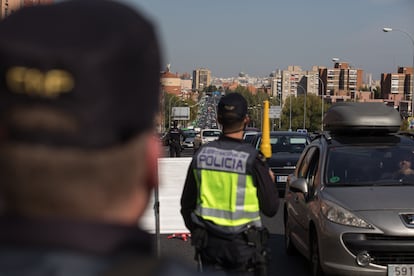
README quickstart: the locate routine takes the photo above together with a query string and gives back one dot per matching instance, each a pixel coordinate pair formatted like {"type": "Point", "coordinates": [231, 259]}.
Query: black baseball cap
{"type": "Point", "coordinates": [92, 65]}
{"type": "Point", "coordinates": [232, 107]}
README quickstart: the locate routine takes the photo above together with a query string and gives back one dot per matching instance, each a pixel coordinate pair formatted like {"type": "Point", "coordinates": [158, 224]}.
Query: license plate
{"type": "Point", "coordinates": [281, 178]}
{"type": "Point", "coordinates": [400, 270]}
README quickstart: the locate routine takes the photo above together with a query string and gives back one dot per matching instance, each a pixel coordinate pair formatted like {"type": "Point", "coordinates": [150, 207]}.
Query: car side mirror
{"type": "Point", "coordinates": [299, 185]}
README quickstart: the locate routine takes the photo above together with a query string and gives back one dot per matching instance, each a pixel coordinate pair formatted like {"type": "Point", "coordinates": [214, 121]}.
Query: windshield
{"type": "Point", "coordinates": [287, 144]}
{"type": "Point", "coordinates": [353, 165]}
{"type": "Point", "coordinates": [190, 133]}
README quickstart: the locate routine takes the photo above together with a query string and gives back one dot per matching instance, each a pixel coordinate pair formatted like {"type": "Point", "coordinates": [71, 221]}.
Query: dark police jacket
{"type": "Point", "coordinates": [174, 136]}
{"type": "Point", "coordinates": [68, 248]}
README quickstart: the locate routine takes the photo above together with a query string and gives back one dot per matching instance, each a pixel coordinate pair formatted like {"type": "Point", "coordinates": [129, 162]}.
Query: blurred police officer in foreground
{"type": "Point", "coordinates": [228, 184]}
{"type": "Point", "coordinates": [79, 91]}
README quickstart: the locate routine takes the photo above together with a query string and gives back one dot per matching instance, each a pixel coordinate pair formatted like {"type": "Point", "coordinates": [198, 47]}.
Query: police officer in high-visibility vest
{"type": "Point", "coordinates": [228, 185]}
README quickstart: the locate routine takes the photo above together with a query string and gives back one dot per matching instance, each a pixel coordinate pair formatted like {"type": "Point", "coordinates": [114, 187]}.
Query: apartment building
{"type": "Point", "coordinates": [290, 79]}
{"type": "Point", "coordinates": [342, 81]}
{"type": "Point", "coordinates": [294, 82]}
{"type": "Point", "coordinates": [396, 88]}
{"type": "Point", "coordinates": [275, 82]}
{"type": "Point", "coordinates": [201, 79]}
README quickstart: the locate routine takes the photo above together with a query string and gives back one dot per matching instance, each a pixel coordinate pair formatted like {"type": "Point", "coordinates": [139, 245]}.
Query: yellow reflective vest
{"type": "Point", "coordinates": [227, 195]}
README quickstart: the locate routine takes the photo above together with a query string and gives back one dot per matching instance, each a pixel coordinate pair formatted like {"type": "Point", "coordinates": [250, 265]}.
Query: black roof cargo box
{"type": "Point", "coordinates": [351, 117]}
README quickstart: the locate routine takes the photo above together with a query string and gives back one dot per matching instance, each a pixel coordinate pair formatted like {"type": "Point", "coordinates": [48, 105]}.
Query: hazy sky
{"type": "Point", "coordinates": [260, 36]}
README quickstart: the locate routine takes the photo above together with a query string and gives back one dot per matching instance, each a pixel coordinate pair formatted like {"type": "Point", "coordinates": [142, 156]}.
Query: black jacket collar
{"type": "Point", "coordinates": [89, 237]}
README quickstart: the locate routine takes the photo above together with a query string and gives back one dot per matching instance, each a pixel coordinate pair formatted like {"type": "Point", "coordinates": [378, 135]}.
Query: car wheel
{"type": "Point", "coordinates": [289, 246]}
{"type": "Point", "coordinates": [315, 261]}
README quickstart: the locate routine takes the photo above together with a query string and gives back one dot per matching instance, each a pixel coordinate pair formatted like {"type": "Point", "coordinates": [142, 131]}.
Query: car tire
{"type": "Point", "coordinates": [314, 258]}
{"type": "Point", "coordinates": [289, 246]}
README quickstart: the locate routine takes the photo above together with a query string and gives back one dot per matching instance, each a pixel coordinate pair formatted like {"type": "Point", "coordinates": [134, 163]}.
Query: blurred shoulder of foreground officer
{"type": "Point", "coordinates": [79, 92]}
{"type": "Point", "coordinates": [228, 184]}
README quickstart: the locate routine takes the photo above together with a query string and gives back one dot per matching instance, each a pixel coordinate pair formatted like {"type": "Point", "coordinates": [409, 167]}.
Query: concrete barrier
{"type": "Point", "coordinates": [172, 173]}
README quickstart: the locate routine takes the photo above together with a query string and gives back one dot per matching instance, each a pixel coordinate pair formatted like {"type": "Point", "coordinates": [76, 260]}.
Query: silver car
{"type": "Point", "coordinates": [188, 143]}
{"type": "Point", "coordinates": [205, 136]}
{"type": "Point", "coordinates": [349, 205]}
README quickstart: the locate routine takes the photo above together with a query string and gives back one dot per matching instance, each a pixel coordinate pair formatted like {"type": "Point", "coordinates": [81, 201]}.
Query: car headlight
{"type": "Point", "coordinates": [342, 216]}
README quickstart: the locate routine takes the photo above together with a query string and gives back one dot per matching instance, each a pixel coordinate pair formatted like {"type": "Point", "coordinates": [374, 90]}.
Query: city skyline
{"type": "Point", "coordinates": [258, 37]}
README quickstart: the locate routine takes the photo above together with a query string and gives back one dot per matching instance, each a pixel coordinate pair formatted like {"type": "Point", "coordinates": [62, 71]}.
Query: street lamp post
{"type": "Point", "coordinates": [272, 120]}
{"type": "Point", "coordinates": [191, 106]}
{"type": "Point", "coordinates": [323, 99]}
{"type": "Point", "coordinates": [254, 108]}
{"type": "Point", "coordinates": [256, 119]}
{"type": "Point", "coordinates": [280, 104]}
{"type": "Point", "coordinates": [304, 106]}
{"type": "Point", "coordinates": [251, 114]}
{"type": "Point", "coordinates": [290, 110]}
{"type": "Point", "coordinates": [163, 113]}
{"type": "Point", "coordinates": [386, 30]}
{"type": "Point", "coordinates": [169, 112]}
{"type": "Point", "coordinates": [259, 114]}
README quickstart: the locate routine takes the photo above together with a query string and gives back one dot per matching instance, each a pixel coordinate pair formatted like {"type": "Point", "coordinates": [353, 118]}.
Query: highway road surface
{"type": "Point", "coordinates": [281, 263]}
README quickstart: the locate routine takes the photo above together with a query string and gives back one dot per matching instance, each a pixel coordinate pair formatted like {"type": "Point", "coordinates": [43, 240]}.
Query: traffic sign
{"type": "Point", "coordinates": [275, 111]}
{"type": "Point", "coordinates": [180, 113]}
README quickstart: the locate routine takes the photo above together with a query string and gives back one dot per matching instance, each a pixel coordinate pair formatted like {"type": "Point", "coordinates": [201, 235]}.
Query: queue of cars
{"type": "Point", "coordinates": [349, 205]}
{"type": "Point", "coordinates": [206, 124]}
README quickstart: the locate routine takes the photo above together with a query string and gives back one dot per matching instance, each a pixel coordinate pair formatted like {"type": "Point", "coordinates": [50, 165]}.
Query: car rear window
{"type": "Point", "coordinates": [212, 133]}
{"type": "Point", "coordinates": [287, 140]}
{"type": "Point", "coordinates": [287, 144]}
{"type": "Point", "coordinates": [298, 140]}
{"type": "Point", "coordinates": [190, 134]}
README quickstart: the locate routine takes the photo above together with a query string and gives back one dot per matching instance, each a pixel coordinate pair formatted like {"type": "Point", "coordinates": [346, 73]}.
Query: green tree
{"type": "Point", "coordinates": [256, 106]}
{"type": "Point", "coordinates": [210, 89]}
{"type": "Point", "coordinates": [244, 91]}
{"type": "Point", "coordinates": [404, 124]}
{"type": "Point", "coordinates": [313, 113]}
{"type": "Point", "coordinates": [364, 88]}
{"type": "Point", "coordinates": [377, 92]}
{"type": "Point", "coordinates": [193, 110]}
{"type": "Point", "coordinates": [254, 103]}
{"type": "Point", "coordinates": [313, 116]}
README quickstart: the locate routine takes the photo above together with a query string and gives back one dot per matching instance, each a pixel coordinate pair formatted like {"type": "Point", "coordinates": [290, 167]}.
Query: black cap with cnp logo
{"type": "Point", "coordinates": [231, 108]}
{"type": "Point", "coordinates": [80, 73]}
